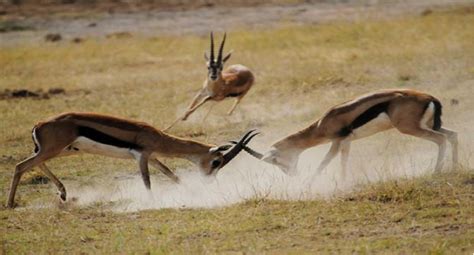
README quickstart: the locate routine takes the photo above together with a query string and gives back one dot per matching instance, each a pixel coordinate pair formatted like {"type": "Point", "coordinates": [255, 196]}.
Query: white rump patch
{"type": "Point", "coordinates": [86, 145]}
{"type": "Point", "coordinates": [380, 123]}
{"type": "Point", "coordinates": [35, 139]}
{"type": "Point", "coordinates": [427, 117]}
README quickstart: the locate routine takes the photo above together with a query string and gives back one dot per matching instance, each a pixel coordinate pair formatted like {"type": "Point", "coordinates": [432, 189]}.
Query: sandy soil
{"type": "Point", "coordinates": [202, 20]}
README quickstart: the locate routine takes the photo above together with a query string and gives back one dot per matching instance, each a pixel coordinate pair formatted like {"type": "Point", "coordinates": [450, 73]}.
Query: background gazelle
{"type": "Point", "coordinates": [411, 112]}
{"type": "Point", "coordinates": [73, 133]}
{"type": "Point", "coordinates": [235, 81]}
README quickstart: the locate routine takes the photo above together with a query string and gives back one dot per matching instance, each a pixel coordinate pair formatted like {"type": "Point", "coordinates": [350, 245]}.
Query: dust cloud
{"type": "Point", "coordinates": [385, 156]}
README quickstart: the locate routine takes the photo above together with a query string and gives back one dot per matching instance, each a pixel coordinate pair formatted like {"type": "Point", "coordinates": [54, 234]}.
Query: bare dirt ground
{"type": "Point", "coordinates": [83, 22]}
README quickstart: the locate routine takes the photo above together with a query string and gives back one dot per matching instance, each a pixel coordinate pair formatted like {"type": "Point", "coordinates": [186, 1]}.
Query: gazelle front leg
{"type": "Point", "coordinates": [191, 110]}
{"type": "Point", "coordinates": [198, 99]}
{"type": "Point", "coordinates": [201, 98]}
{"type": "Point", "coordinates": [345, 148]}
{"type": "Point", "coordinates": [164, 169]}
{"type": "Point", "coordinates": [142, 158]}
{"type": "Point", "coordinates": [335, 147]}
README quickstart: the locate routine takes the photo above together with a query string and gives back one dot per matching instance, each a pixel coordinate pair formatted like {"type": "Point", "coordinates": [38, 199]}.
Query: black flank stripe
{"type": "Point", "coordinates": [100, 137]}
{"type": "Point", "coordinates": [365, 117]}
{"type": "Point", "coordinates": [234, 94]}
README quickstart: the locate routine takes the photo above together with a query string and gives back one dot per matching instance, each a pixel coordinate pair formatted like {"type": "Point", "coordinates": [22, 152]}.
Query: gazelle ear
{"type": "Point", "coordinates": [227, 56]}
{"type": "Point", "coordinates": [206, 57]}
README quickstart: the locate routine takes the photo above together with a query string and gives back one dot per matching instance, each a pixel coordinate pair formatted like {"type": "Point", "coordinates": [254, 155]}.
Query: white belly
{"type": "Point", "coordinates": [86, 145]}
{"type": "Point", "coordinates": [378, 124]}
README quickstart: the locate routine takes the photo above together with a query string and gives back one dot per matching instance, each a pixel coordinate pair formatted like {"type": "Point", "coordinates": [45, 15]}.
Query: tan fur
{"type": "Point", "coordinates": [57, 136]}
{"type": "Point", "coordinates": [234, 81]}
{"type": "Point", "coordinates": [405, 111]}
{"type": "Point", "coordinates": [231, 81]}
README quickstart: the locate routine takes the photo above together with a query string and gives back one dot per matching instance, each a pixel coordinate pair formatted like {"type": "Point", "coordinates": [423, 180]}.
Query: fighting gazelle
{"type": "Point", "coordinates": [409, 111]}
{"type": "Point", "coordinates": [73, 133]}
{"type": "Point", "coordinates": [233, 82]}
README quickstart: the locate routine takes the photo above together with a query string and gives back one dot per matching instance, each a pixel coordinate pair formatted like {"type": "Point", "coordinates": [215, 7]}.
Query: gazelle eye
{"type": "Point", "coordinates": [215, 163]}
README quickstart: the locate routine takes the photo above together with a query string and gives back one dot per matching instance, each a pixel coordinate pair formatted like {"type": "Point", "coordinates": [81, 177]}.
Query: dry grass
{"type": "Point", "coordinates": [426, 215]}
{"type": "Point", "coordinates": [307, 69]}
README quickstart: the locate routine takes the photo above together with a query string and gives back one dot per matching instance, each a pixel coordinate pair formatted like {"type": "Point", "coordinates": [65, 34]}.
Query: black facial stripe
{"type": "Point", "coordinates": [364, 118]}
{"type": "Point", "coordinates": [100, 137]}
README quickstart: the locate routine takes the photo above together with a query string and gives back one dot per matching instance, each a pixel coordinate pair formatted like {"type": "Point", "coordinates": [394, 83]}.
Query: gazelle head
{"type": "Point", "coordinates": [216, 65]}
{"type": "Point", "coordinates": [285, 160]}
{"type": "Point", "coordinates": [219, 156]}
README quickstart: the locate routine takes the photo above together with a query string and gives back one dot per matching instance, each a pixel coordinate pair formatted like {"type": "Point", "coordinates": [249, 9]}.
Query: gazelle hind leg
{"type": "Point", "coordinates": [453, 140]}
{"type": "Point", "coordinates": [20, 169]}
{"type": "Point", "coordinates": [237, 101]}
{"type": "Point", "coordinates": [55, 180]}
{"type": "Point", "coordinates": [430, 135]}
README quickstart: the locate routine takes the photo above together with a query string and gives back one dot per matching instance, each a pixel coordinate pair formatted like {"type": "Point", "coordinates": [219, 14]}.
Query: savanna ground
{"type": "Point", "coordinates": [390, 204]}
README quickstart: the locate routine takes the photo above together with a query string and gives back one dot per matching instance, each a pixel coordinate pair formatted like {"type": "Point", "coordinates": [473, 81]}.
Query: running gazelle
{"type": "Point", "coordinates": [233, 82]}
{"type": "Point", "coordinates": [410, 112]}
{"type": "Point", "coordinates": [74, 133]}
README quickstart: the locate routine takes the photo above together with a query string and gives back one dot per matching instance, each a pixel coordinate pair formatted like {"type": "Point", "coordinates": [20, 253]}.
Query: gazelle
{"type": "Point", "coordinates": [74, 133]}
{"type": "Point", "coordinates": [233, 82]}
{"type": "Point", "coordinates": [409, 111]}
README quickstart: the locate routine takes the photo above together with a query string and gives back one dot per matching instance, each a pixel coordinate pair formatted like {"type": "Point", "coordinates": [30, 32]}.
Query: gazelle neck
{"type": "Point", "coordinates": [183, 148]}
{"type": "Point", "coordinates": [302, 140]}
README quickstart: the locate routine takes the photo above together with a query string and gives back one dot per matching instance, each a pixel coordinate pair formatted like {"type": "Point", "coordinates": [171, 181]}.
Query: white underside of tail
{"type": "Point", "coordinates": [86, 145]}
{"type": "Point", "coordinates": [380, 123]}
{"type": "Point", "coordinates": [427, 118]}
